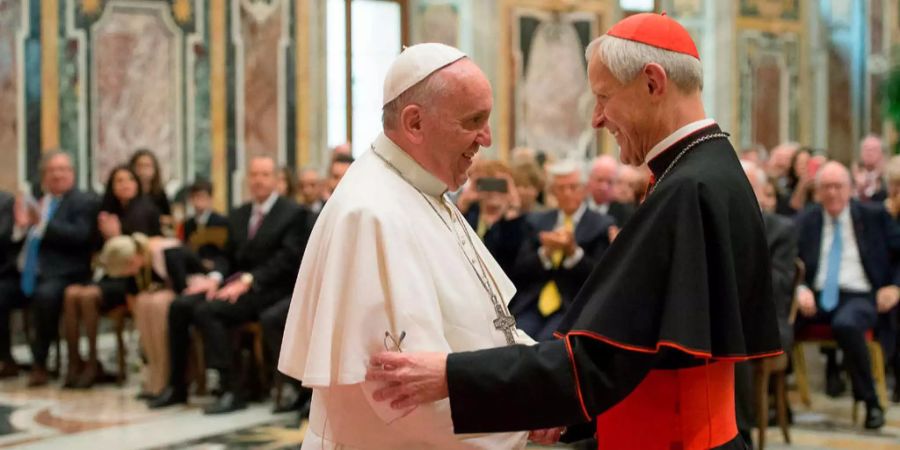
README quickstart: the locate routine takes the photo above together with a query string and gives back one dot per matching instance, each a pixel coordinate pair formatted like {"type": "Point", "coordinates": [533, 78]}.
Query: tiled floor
{"type": "Point", "coordinates": [109, 417]}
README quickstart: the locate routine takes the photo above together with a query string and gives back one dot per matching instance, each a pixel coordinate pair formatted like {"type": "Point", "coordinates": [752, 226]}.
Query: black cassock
{"type": "Point", "coordinates": [645, 355]}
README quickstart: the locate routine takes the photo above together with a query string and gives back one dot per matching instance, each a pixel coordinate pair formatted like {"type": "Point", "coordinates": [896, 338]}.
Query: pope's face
{"type": "Point", "coordinates": [457, 127]}
{"type": "Point", "coordinates": [622, 109]}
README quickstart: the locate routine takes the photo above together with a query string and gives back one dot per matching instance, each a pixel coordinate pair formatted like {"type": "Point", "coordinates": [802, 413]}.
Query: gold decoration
{"type": "Point", "coordinates": [181, 9]}
{"type": "Point", "coordinates": [91, 7]}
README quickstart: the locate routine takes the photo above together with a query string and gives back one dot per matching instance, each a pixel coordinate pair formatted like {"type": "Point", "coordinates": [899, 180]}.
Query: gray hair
{"type": "Point", "coordinates": [625, 59]}
{"type": "Point", "coordinates": [421, 93]}
{"type": "Point", "coordinates": [50, 155]}
{"type": "Point", "coordinates": [567, 167]}
{"type": "Point", "coordinates": [755, 171]}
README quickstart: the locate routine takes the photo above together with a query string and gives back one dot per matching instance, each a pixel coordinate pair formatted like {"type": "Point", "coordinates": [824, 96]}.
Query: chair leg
{"type": "Point", "coordinates": [259, 354]}
{"type": "Point", "coordinates": [762, 402]}
{"type": "Point", "coordinates": [800, 374]}
{"type": "Point", "coordinates": [781, 405]}
{"type": "Point", "coordinates": [120, 344]}
{"type": "Point", "coordinates": [200, 368]}
{"type": "Point", "coordinates": [877, 357]}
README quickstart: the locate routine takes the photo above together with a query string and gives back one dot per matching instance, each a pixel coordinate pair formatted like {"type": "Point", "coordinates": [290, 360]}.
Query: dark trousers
{"type": "Point", "coordinates": [216, 319]}
{"type": "Point", "coordinates": [272, 321]}
{"type": "Point", "coordinates": [10, 298]}
{"type": "Point", "coordinates": [854, 315]}
{"type": "Point", "coordinates": [181, 316]}
{"type": "Point", "coordinates": [45, 305]}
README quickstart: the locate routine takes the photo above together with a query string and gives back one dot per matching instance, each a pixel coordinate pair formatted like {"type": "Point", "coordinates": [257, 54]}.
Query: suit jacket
{"type": "Point", "coordinates": [67, 246]}
{"type": "Point", "coordinates": [9, 250]}
{"type": "Point", "coordinates": [208, 243]}
{"type": "Point", "coordinates": [273, 255]}
{"type": "Point", "coordinates": [782, 239]}
{"type": "Point", "coordinates": [530, 276]}
{"type": "Point", "coordinates": [503, 239]}
{"type": "Point", "coordinates": [878, 238]}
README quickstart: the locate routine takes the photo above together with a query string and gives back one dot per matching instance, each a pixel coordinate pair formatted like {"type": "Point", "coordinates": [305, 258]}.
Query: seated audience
{"type": "Point", "coordinates": [57, 230]}
{"type": "Point", "coordinates": [868, 172]}
{"type": "Point", "coordinates": [145, 165]}
{"type": "Point", "coordinates": [529, 181]}
{"type": "Point", "coordinates": [266, 238]}
{"type": "Point", "coordinates": [336, 171]}
{"type": "Point", "coordinates": [560, 250]}
{"type": "Point", "coordinates": [309, 190]}
{"type": "Point", "coordinates": [123, 210]}
{"type": "Point", "coordinates": [206, 231]}
{"type": "Point", "coordinates": [286, 186]}
{"type": "Point", "coordinates": [9, 276]}
{"type": "Point", "coordinates": [601, 190]}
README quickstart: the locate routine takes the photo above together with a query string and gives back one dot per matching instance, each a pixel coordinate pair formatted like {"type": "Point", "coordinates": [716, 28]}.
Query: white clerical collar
{"type": "Point", "coordinates": [678, 135]}
{"type": "Point", "coordinates": [266, 206]}
{"type": "Point", "coordinates": [409, 169]}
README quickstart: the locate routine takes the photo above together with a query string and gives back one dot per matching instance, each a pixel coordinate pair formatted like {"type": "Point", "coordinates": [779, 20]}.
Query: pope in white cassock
{"type": "Point", "coordinates": [392, 264]}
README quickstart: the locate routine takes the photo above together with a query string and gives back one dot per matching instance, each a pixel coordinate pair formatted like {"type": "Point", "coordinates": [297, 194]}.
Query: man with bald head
{"type": "Point", "coordinates": [848, 248]}
{"type": "Point", "coordinates": [646, 351]}
{"type": "Point", "coordinates": [392, 264]}
{"type": "Point", "coordinates": [266, 238]}
{"type": "Point", "coordinates": [868, 172]}
{"type": "Point", "coordinates": [602, 190]}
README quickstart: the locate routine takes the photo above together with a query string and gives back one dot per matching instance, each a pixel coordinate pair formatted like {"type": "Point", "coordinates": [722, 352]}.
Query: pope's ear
{"type": "Point", "coordinates": [657, 80]}
{"type": "Point", "coordinates": [411, 122]}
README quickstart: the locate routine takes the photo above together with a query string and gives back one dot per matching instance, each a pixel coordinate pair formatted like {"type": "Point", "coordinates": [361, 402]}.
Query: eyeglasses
{"type": "Point", "coordinates": [394, 345]}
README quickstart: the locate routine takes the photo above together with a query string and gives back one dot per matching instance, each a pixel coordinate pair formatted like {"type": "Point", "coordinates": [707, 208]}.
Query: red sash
{"type": "Point", "coordinates": [682, 409]}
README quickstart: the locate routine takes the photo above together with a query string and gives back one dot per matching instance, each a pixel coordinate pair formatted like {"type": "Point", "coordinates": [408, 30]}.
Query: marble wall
{"type": "Point", "coordinates": [10, 93]}
{"type": "Point", "coordinates": [137, 97]}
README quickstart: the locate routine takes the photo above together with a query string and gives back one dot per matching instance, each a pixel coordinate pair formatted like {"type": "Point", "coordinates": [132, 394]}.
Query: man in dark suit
{"type": "Point", "coordinates": [9, 278]}
{"type": "Point", "coordinates": [781, 237]}
{"type": "Point", "coordinates": [847, 248]}
{"type": "Point", "coordinates": [562, 248]}
{"type": "Point", "coordinates": [206, 231]}
{"type": "Point", "coordinates": [56, 252]}
{"type": "Point", "coordinates": [266, 239]}
{"type": "Point", "coordinates": [601, 186]}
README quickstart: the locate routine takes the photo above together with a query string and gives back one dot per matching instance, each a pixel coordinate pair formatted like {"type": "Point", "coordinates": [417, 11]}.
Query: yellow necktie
{"type": "Point", "coordinates": [550, 300]}
{"type": "Point", "coordinates": [481, 228]}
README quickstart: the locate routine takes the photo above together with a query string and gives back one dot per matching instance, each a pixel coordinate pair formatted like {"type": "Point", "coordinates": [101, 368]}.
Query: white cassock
{"type": "Point", "coordinates": [389, 254]}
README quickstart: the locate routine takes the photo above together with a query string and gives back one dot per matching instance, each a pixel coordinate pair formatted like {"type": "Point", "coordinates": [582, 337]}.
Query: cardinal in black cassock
{"type": "Point", "coordinates": [645, 356]}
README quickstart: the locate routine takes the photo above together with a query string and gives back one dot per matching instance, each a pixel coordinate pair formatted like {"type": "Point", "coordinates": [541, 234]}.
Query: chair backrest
{"type": "Point", "coordinates": [799, 275]}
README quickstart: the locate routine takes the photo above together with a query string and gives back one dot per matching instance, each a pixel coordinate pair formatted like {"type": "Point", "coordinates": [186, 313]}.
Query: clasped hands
{"type": "Point", "coordinates": [885, 298]}
{"type": "Point", "coordinates": [559, 239]}
{"type": "Point", "coordinates": [205, 284]}
{"type": "Point", "coordinates": [413, 379]}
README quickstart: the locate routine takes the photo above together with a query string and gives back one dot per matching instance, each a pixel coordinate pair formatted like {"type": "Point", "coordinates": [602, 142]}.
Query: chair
{"type": "Point", "coordinates": [775, 368]}
{"type": "Point", "coordinates": [119, 315]}
{"type": "Point", "coordinates": [821, 334]}
{"type": "Point", "coordinates": [254, 331]}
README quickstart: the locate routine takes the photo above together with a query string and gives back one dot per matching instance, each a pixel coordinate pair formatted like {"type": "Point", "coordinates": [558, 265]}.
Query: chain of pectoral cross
{"type": "Point", "coordinates": [504, 321]}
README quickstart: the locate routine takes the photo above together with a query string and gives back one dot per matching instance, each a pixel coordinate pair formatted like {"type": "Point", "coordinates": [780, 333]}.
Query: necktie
{"type": "Point", "coordinates": [257, 221]}
{"type": "Point", "coordinates": [830, 292]}
{"type": "Point", "coordinates": [481, 228]}
{"type": "Point", "coordinates": [550, 300]}
{"type": "Point", "coordinates": [32, 250]}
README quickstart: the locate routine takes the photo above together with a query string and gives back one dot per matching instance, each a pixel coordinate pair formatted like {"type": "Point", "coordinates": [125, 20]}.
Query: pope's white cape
{"type": "Point", "coordinates": [380, 259]}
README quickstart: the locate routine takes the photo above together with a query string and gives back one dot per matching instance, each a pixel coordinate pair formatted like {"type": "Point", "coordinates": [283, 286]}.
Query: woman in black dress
{"type": "Point", "coordinates": [124, 210]}
{"type": "Point", "coordinates": [145, 165]}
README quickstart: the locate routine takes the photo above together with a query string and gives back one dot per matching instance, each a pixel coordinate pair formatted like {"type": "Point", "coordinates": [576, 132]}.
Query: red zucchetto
{"type": "Point", "coordinates": [656, 30]}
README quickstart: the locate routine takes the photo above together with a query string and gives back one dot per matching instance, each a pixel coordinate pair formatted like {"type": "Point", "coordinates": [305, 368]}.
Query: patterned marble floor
{"type": "Point", "coordinates": [109, 417]}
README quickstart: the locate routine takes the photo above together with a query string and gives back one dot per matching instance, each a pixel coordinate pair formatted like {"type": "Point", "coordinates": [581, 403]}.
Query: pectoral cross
{"type": "Point", "coordinates": [505, 322]}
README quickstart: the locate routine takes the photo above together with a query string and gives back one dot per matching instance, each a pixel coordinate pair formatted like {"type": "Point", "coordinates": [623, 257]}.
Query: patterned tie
{"type": "Point", "coordinates": [550, 300]}
{"type": "Point", "coordinates": [829, 298]}
{"type": "Point", "coordinates": [256, 223]}
{"type": "Point", "coordinates": [32, 250]}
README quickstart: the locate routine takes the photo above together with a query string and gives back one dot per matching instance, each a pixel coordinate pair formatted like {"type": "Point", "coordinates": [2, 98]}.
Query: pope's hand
{"type": "Point", "coordinates": [547, 436]}
{"type": "Point", "coordinates": [412, 378]}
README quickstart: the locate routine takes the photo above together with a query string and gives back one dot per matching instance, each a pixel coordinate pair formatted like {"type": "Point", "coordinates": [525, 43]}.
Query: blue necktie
{"type": "Point", "coordinates": [32, 247]}
{"type": "Point", "coordinates": [829, 298]}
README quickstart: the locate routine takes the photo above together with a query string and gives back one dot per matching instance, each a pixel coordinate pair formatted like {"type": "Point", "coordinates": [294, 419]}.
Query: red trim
{"type": "Point", "coordinates": [675, 345]}
{"type": "Point", "coordinates": [558, 335]}
{"type": "Point", "coordinates": [577, 383]}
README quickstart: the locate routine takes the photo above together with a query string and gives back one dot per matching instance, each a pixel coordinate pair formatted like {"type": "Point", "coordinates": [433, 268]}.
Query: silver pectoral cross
{"type": "Point", "coordinates": [505, 323]}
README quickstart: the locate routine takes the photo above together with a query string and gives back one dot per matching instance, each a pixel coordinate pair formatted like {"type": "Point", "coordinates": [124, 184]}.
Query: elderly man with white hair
{"type": "Point", "coordinates": [562, 248]}
{"type": "Point", "coordinates": [602, 190]}
{"type": "Point", "coordinates": [647, 348]}
{"type": "Point", "coordinates": [868, 172]}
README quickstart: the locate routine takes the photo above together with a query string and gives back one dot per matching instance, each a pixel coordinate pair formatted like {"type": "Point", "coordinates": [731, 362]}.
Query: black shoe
{"type": "Point", "coordinates": [874, 418]}
{"type": "Point", "coordinates": [169, 396]}
{"type": "Point", "coordinates": [228, 402]}
{"type": "Point", "coordinates": [834, 385]}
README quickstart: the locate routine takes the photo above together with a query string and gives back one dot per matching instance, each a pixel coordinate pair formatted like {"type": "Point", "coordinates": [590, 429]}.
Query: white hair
{"type": "Point", "coordinates": [567, 167]}
{"type": "Point", "coordinates": [755, 171]}
{"type": "Point", "coordinates": [625, 59]}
